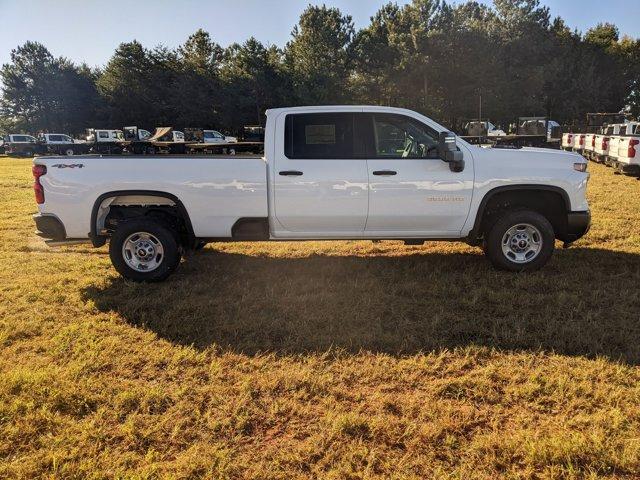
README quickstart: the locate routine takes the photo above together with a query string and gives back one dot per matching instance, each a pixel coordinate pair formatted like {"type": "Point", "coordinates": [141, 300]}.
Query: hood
{"type": "Point", "coordinates": [527, 157]}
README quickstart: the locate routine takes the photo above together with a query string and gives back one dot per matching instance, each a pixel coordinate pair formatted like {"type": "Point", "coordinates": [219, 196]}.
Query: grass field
{"type": "Point", "coordinates": [322, 360]}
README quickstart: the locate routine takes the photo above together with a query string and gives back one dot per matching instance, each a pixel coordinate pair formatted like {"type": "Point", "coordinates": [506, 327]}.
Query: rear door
{"type": "Point", "coordinates": [320, 177]}
{"type": "Point", "coordinates": [412, 192]}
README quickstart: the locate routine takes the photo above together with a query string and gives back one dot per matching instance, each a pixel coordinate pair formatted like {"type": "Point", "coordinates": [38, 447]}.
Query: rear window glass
{"type": "Point", "coordinates": [319, 135]}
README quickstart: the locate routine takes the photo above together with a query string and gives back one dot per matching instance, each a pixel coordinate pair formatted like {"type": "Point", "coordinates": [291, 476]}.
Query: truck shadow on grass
{"type": "Point", "coordinates": [584, 302]}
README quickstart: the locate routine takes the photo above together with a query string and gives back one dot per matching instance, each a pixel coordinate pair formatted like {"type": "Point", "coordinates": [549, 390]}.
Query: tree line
{"type": "Point", "coordinates": [430, 56]}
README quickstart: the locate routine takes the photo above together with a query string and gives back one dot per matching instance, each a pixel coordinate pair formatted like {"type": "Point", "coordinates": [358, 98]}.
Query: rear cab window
{"type": "Point", "coordinates": [319, 136]}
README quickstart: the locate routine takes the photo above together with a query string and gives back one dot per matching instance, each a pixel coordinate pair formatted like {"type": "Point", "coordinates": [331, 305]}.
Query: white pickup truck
{"type": "Point", "coordinates": [628, 158]}
{"type": "Point", "coordinates": [339, 172]}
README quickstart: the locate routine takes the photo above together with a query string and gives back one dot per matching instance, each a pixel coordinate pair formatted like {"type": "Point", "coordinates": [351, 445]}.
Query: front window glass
{"type": "Point", "coordinates": [397, 136]}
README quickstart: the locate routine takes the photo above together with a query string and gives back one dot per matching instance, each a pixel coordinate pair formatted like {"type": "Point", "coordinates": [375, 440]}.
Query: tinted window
{"type": "Point", "coordinates": [319, 135]}
{"type": "Point", "coordinates": [56, 138]}
{"type": "Point", "coordinates": [20, 138]}
{"type": "Point", "coordinates": [397, 136]}
{"type": "Point", "coordinates": [623, 130]}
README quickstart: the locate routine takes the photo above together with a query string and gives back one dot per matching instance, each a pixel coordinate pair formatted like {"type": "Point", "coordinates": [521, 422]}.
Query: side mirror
{"type": "Point", "coordinates": [448, 151]}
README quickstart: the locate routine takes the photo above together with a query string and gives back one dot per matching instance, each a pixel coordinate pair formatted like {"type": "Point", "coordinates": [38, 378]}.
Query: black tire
{"type": "Point", "coordinates": [69, 151]}
{"type": "Point", "coordinates": [517, 220]}
{"type": "Point", "coordinates": [169, 259]}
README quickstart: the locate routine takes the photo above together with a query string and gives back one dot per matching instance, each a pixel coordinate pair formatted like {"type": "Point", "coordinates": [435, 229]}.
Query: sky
{"type": "Point", "coordinates": [90, 30]}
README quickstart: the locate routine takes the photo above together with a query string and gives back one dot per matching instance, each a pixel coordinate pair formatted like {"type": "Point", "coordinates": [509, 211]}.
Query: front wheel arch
{"type": "Point", "coordinates": [550, 201]}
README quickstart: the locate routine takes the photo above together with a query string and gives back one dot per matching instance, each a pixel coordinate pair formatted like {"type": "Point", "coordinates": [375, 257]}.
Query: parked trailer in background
{"type": "Point", "coordinates": [533, 132]}
{"type": "Point", "coordinates": [105, 141]}
{"type": "Point", "coordinates": [163, 140]}
{"type": "Point", "coordinates": [480, 131]}
{"type": "Point", "coordinates": [198, 140]}
{"type": "Point", "coordinates": [596, 122]}
{"type": "Point", "coordinates": [60, 144]}
{"type": "Point", "coordinates": [21, 145]}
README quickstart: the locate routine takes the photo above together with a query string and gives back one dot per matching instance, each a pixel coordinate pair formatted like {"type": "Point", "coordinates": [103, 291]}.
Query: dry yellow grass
{"type": "Point", "coordinates": [322, 360]}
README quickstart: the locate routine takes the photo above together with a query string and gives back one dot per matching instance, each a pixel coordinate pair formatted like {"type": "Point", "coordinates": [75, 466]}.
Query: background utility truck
{"type": "Point", "coordinates": [325, 174]}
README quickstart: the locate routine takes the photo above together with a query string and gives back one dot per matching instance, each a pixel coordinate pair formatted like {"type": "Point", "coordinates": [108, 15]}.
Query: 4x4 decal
{"type": "Point", "coordinates": [68, 165]}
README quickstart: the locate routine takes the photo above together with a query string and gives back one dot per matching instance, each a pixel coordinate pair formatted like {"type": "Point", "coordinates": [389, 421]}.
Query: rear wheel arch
{"type": "Point", "coordinates": [101, 208]}
{"type": "Point", "coordinates": [551, 201]}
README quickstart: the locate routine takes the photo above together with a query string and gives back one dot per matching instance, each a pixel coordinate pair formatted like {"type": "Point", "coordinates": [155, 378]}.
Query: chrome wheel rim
{"type": "Point", "coordinates": [143, 252]}
{"type": "Point", "coordinates": [522, 243]}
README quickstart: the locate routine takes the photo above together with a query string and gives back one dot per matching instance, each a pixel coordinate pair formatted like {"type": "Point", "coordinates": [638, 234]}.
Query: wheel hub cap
{"type": "Point", "coordinates": [143, 252]}
{"type": "Point", "coordinates": [522, 243]}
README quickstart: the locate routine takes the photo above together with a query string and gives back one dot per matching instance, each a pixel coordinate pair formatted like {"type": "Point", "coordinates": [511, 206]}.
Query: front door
{"type": "Point", "coordinates": [320, 177]}
{"type": "Point", "coordinates": [412, 192]}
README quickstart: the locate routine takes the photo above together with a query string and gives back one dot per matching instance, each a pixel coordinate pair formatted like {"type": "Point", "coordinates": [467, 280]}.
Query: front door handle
{"type": "Point", "coordinates": [290, 173]}
{"type": "Point", "coordinates": [385, 172]}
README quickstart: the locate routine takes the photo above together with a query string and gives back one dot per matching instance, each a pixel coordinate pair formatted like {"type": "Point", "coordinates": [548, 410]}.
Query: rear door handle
{"type": "Point", "coordinates": [290, 173]}
{"type": "Point", "coordinates": [385, 172]}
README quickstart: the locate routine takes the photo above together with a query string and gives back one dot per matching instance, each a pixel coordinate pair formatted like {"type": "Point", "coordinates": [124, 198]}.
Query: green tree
{"type": "Point", "coordinates": [43, 93]}
{"type": "Point", "coordinates": [253, 82]}
{"type": "Point", "coordinates": [317, 57]}
{"type": "Point", "coordinates": [125, 86]}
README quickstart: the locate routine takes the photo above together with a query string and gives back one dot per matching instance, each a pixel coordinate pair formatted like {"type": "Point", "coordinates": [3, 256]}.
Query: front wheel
{"type": "Point", "coordinates": [69, 152]}
{"type": "Point", "coordinates": [520, 240]}
{"type": "Point", "coordinates": [143, 250]}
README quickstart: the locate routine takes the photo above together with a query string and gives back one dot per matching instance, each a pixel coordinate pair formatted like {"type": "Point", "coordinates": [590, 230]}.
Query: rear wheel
{"type": "Point", "coordinates": [69, 152]}
{"type": "Point", "coordinates": [143, 250]}
{"type": "Point", "coordinates": [520, 240]}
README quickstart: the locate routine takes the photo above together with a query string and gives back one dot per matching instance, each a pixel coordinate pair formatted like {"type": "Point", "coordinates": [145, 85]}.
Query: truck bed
{"type": "Point", "coordinates": [216, 190]}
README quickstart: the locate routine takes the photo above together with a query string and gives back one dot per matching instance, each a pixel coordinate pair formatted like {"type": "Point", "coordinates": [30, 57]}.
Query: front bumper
{"type": "Point", "coordinates": [49, 227]}
{"type": "Point", "coordinates": [578, 224]}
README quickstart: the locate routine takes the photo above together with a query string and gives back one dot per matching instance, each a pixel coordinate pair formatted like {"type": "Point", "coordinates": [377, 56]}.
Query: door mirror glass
{"type": "Point", "coordinates": [448, 151]}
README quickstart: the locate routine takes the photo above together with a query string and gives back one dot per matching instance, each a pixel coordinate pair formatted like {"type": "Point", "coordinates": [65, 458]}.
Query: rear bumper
{"type": "Point", "coordinates": [578, 224]}
{"type": "Point", "coordinates": [626, 168]}
{"type": "Point", "coordinates": [49, 227]}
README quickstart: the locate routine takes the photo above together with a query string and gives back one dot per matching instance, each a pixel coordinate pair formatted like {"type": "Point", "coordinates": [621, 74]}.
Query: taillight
{"type": "Point", "coordinates": [631, 152]}
{"type": "Point", "coordinates": [38, 171]}
{"type": "Point", "coordinates": [593, 142]}
{"type": "Point", "coordinates": [581, 139]}
{"type": "Point", "coordinates": [605, 140]}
